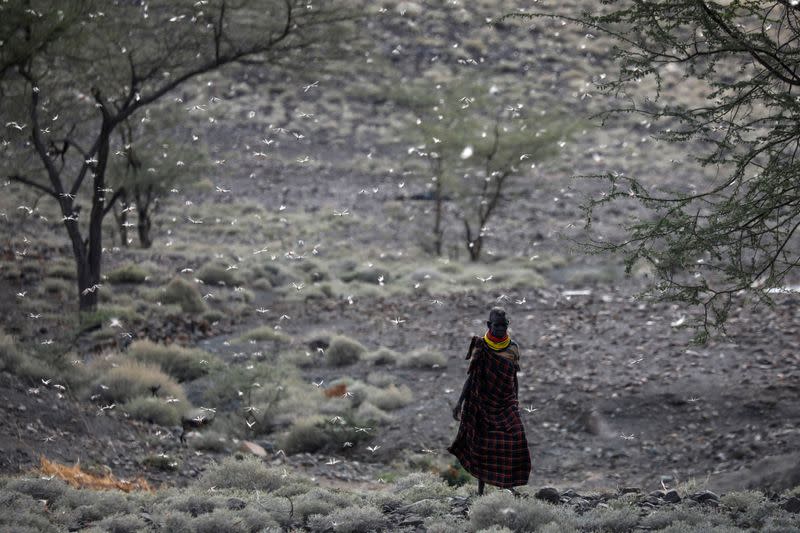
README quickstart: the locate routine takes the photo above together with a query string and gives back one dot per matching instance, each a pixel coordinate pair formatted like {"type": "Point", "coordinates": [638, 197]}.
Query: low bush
{"type": "Point", "coordinates": [351, 519]}
{"type": "Point", "coordinates": [265, 333]}
{"type": "Point", "coordinates": [246, 473]}
{"type": "Point", "coordinates": [185, 294]}
{"type": "Point", "coordinates": [155, 411]}
{"type": "Point", "coordinates": [307, 434]}
{"type": "Point", "coordinates": [615, 520]}
{"type": "Point", "coordinates": [319, 501]}
{"type": "Point", "coordinates": [183, 364]}
{"type": "Point", "coordinates": [391, 397]}
{"type": "Point", "coordinates": [215, 273]}
{"type": "Point", "coordinates": [130, 273]}
{"type": "Point", "coordinates": [371, 414]}
{"type": "Point", "coordinates": [500, 508]}
{"type": "Point", "coordinates": [343, 351]}
{"type": "Point", "coordinates": [131, 379]}
{"type": "Point", "coordinates": [423, 358]}
{"type": "Point", "coordinates": [382, 356]}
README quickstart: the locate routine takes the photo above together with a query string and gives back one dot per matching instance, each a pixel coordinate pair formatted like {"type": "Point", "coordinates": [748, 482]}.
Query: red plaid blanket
{"type": "Point", "coordinates": [491, 443]}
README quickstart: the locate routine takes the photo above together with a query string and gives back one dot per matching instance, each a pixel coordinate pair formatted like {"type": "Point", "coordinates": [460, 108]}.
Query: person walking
{"type": "Point", "coordinates": [491, 443]}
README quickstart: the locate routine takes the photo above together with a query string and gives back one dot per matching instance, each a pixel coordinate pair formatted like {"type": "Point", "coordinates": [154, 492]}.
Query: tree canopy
{"type": "Point", "coordinates": [70, 77]}
{"type": "Point", "coordinates": [735, 235]}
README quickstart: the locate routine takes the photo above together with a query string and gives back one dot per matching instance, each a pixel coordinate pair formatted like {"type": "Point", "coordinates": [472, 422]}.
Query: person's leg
{"type": "Point", "coordinates": [480, 487]}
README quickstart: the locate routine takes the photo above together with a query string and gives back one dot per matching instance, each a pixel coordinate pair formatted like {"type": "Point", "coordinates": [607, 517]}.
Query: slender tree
{"type": "Point", "coordinates": [736, 234]}
{"type": "Point", "coordinates": [71, 77]}
{"type": "Point", "coordinates": [478, 140]}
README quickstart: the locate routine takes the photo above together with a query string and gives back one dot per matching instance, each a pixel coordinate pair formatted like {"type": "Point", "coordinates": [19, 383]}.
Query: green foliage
{"type": "Point", "coordinates": [215, 273]}
{"type": "Point", "coordinates": [320, 501]}
{"type": "Point", "coordinates": [155, 411]}
{"type": "Point", "coordinates": [500, 508]}
{"type": "Point", "coordinates": [424, 358]}
{"type": "Point", "coordinates": [186, 294]}
{"type": "Point", "coordinates": [307, 434]}
{"type": "Point", "coordinates": [473, 138]}
{"type": "Point", "coordinates": [130, 273]}
{"type": "Point", "coordinates": [247, 473]}
{"type": "Point", "coordinates": [265, 333]}
{"type": "Point", "coordinates": [352, 519]}
{"type": "Point", "coordinates": [733, 229]}
{"type": "Point", "coordinates": [130, 380]}
{"type": "Point", "coordinates": [343, 351]}
{"type": "Point", "coordinates": [615, 519]}
{"type": "Point", "coordinates": [183, 364]}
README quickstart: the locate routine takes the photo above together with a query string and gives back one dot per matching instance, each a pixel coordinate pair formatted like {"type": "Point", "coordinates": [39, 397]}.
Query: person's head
{"type": "Point", "coordinates": [497, 323]}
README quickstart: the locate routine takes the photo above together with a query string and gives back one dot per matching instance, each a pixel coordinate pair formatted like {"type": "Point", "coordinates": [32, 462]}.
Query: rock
{"type": "Point", "coordinates": [412, 520]}
{"type": "Point", "coordinates": [658, 493]}
{"type": "Point", "coordinates": [235, 504]}
{"type": "Point", "coordinates": [704, 496]}
{"type": "Point", "coordinates": [792, 505]}
{"type": "Point", "coordinates": [672, 496]}
{"type": "Point", "coordinates": [548, 494]}
{"type": "Point", "coordinates": [630, 490]}
{"type": "Point", "coordinates": [252, 448]}
{"type": "Point", "coordinates": [570, 493]}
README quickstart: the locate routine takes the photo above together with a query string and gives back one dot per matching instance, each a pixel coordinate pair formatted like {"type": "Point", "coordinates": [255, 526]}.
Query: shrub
{"type": "Point", "coordinates": [39, 489]}
{"type": "Point", "coordinates": [307, 434]}
{"type": "Point", "coordinates": [217, 274]}
{"type": "Point", "coordinates": [57, 286]}
{"type": "Point", "coordinates": [417, 486]}
{"type": "Point", "coordinates": [382, 356]}
{"type": "Point", "coordinates": [183, 364]}
{"type": "Point", "coordinates": [367, 274]}
{"type": "Point", "coordinates": [183, 293]}
{"type": "Point", "coordinates": [10, 358]}
{"type": "Point", "coordinates": [130, 273]}
{"type": "Point", "coordinates": [662, 518]}
{"type": "Point", "coordinates": [210, 441]}
{"type": "Point", "coordinates": [155, 411]}
{"type": "Point", "coordinates": [351, 519]}
{"type": "Point", "coordinates": [445, 525]}
{"type": "Point", "coordinates": [265, 333]}
{"type": "Point", "coordinates": [131, 379]}
{"type": "Point", "coordinates": [319, 501]}
{"type": "Point", "coordinates": [161, 461]}
{"type": "Point", "coordinates": [744, 500]}
{"type": "Point", "coordinates": [423, 358]}
{"type": "Point", "coordinates": [343, 351]}
{"type": "Point", "coordinates": [381, 379]}
{"type": "Point", "coordinates": [121, 523]}
{"type": "Point", "coordinates": [391, 397]}
{"type": "Point", "coordinates": [247, 473]}
{"type": "Point", "coordinates": [616, 520]}
{"type": "Point", "coordinates": [221, 520]}
{"type": "Point", "coordinates": [500, 508]}
{"type": "Point", "coordinates": [371, 414]}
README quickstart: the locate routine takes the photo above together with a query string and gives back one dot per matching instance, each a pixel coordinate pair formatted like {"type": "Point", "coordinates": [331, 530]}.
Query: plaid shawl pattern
{"type": "Point", "coordinates": [491, 443]}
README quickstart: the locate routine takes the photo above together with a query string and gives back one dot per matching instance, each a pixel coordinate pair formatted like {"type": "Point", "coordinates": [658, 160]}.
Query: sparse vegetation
{"type": "Point", "coordinates": [131, 379]}
{"type": "Point", "coordinates": [186, 294]}
{"type": "Point", "coordinates": [183, 364]}
{"type": "Point", "coordinates": [130, 273]}
{"type": "Point", "coordinates": [343, 351]}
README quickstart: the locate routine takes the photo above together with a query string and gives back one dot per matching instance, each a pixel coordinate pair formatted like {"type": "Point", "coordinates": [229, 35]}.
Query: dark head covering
{"type": "Point", "coordinates": [497, 323]}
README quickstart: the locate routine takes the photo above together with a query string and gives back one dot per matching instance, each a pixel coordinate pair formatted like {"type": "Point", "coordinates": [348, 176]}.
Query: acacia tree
{"type": "Point", "coordinates": [477, 140]}
{"type": "Point", "coordinates": [70, 77]}
{"type": "Point", "coordinates": [736, 234]}
{"type": "Point", "coordinates": [150, 164]}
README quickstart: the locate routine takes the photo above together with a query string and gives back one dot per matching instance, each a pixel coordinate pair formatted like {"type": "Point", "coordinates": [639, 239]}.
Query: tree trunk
{"type": "Point", "coordinates": [437, 221]}
{"type": "Point", "coordinates": [144, 226]}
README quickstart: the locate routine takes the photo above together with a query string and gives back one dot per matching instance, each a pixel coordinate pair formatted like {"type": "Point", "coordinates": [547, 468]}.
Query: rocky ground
{"type": "Point", "coordinates": [612, 392]}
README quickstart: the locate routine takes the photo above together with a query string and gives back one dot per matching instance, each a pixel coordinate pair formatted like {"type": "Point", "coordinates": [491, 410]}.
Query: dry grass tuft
{"type": "Point", "coordinates": [77, 478]}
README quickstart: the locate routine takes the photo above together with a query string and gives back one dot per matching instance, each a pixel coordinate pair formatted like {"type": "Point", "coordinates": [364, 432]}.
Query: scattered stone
{"type": "Point", "coordinates": [548, 494]}
{"type": "Point", "coordinates": [252, 448]}
{"type": "Point", "coordinates": [672, 496]}
{"type": "Point", "coordinates": [570, 493]}
{"type": "Point", "coordinates": [630, 490]}
{"type": "Point", "coordinates": [792, 505]}
{"type": "Point", "coordinates": [657, 493]}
